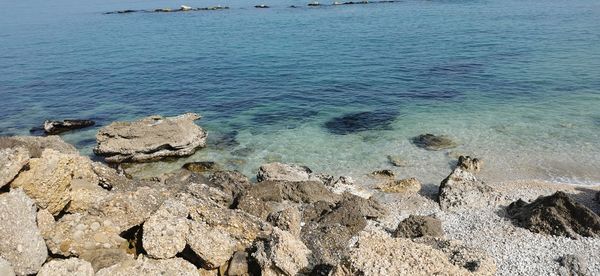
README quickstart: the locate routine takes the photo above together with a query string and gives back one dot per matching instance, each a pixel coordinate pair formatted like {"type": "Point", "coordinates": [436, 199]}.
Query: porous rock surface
{"type": "Point", "coordinates": [556, 214]}
{"type": "Point", "coordinates": [283, 172]}
{"type": "Point", "coordinates": [64, 267]}
{"type": "Point", "coordinates": [151, 267]}
{"type": "Point", "coordinates": [419, 226]}
{"type": "Point", "coordinates": [461, 189]}
{"type": "Point", "coordinates": [21, 243]}
{"type": "Point", "coordinates": [281, 252]}
{"type": "Point", "coordinates": [150, 138]}
{"type": "Point", "coordinates": [12, 161]}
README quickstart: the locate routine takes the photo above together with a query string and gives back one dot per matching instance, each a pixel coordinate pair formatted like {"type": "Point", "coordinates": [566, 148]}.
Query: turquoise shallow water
{"type": "Point", "coordinates": [514, 82]}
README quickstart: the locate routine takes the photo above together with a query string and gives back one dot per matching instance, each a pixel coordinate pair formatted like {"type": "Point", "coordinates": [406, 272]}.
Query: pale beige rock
{"type": "Point", "coordinates": [281, 251]}
{"type": "Point", "coordinates": [49, 178]}
{"type": "Point", "coordinates": [376, 253]}
{"type": "Point", "coordinates": [471, 259]}
{"type": "Point", "coordinates": [150, 138]}
{"type": "Point", "coordinates": [12, 161]}
{"type": "Point", "coordinates": [238, 266]}
{"type": "Point", "coordinates": [345, 184]}
{"type": "Point", "coordinates": [283, 172]}
{"type": "Point", "coordinates": [21, 243]}
{"type": "Point", "coordinates": [408, 185]}
{"type": "Point", "coordinates": [5, 268]}
{"type": "Point", "coordinates": [288, 219]}
{"type": "Point", "coordinates": [150, 267]}
{"type": "Point", "coordinates": [36, 144]}
{"type": "Point", "coordinates": [105, 257]}
{"type": "Point", "coordinates": [213, 246]}
{"type": "Point", "coordinates": [166, 230]}
{"type": "Point", "coordinates": [68, 267]}
{"type": "Point", "coordinates": [462, 189]}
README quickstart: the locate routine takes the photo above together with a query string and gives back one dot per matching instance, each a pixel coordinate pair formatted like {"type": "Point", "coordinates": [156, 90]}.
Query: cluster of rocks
{"type": "Point", "coordinates": [183, 8]}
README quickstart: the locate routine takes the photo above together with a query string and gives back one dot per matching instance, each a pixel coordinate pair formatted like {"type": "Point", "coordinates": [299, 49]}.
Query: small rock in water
{"type": "Point", "coordinates": [383, 174]}
{"type": "Point", "coordinates": [397, 161]}
{"type": "Point", "coordinates": [261, 6]}
{"type": "Point", "coordinates": [409, 185]}
{"type": "Point", "coordinates": [56, 127]}
{"type": "Point", "coordinates": [470, 164]}
{"type": "Point", "coordinates": [200, 166]}
{"type": "Point", "coordinates": [419, 226]}
{"type": "Point", "coordinates": [433, 142]}
{"type": "Point", "coordinates": [556, 214]}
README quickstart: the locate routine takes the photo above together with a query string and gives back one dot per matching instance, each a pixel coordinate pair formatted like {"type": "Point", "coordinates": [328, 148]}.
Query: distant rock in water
{"type": "Point", "coordinates": [151, 138]}
{"type": "Point", "coordinates": [557, 215]}
{"type": "Point", "coordinates": [261, 6]}
{"type": "Point", "coordinates": [433, 142]}
{"type": "Point", "coordinates": [56, 127]}
{"type": "Point", "coordinates": [361, 121]}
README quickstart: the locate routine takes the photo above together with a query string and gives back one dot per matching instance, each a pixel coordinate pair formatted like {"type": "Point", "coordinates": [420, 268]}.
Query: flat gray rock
{"type": "Point", "coordinates": [150, 139]}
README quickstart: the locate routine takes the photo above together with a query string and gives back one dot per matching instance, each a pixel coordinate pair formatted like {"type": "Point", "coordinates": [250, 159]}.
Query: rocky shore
{"type": "Point", "coordinates": [65, 214]}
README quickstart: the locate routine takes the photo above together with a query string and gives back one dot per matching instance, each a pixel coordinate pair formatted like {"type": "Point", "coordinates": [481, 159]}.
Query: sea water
{"type": "Point", "coordinates": [516, 83]}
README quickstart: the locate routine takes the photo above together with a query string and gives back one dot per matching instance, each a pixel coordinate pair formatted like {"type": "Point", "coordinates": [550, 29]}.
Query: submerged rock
{"type": "Point", "coordinates": [462, 189]}
{"type": "Point", "coordinates": [72, 266]}
{"type": "Point", "coordinates": [200, 166]}
{"type": "Point", "coordinates": [383, 174]}
{"type": "Point", "coordinates": [433, 142]}
{"type": "Point", "coordinates": [397, 161]}
{"type": "Point", "coordinates": [151, 138]}
{"type": "Point", "coordinates": [56, 127]}
{"type": "Point", "coordinates": [556, 214]}
{"type": "Point", "coordinates": [419, 226]}
{"type": "Point", "coordinates": [147, 266]}
{"type": "Point", "coordinates": [21, 243]}
{"type": "Point", "coordinates": [281, 252]}
{"type": "Point", "coordinates": [469, 164]}
{"type": "Point", "coordinates": [361, 121]}
{"type": "Point", "coordinates": [283, 172]}
{"type": "Point", "coordinates": [12, 160]}
{"type": "Point", "coordinates": [408, 185]}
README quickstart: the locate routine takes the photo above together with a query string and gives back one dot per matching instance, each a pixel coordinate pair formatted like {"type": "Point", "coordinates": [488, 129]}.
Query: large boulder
{"type": "Point", "coordinates": [281, 253]}
{"type": "Point", "coordinates": [64, 267]}
{"type": "Point", "coordinates": [283, 172]}
{"type": "Point", "coordinates": [21, 243]}
{"type": "Point", "coordinates": [150, 267]}
{"type": "Point", "coordinates": [12, 161]}
{"type": "Point", "coordinates": [151, 138]}
{"type": "Point", "coordinates": [375, 253]}
{"type": "Point", "coordinates": [213, 246]}
{"type": "Point", "coordinates": [556, 214]}
{"type": "Point", "coordinates": [49, 178]}
{"type": "Point", "coordinates": [462, 189]}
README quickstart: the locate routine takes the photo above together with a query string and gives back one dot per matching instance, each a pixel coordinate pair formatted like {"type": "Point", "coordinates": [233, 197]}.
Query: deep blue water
{"type": "Point", "coordinates": [515, 81]}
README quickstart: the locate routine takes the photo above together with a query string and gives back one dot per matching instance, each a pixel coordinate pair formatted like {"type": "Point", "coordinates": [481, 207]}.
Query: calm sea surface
{"type": "Point", "coordinates": [516, 83]}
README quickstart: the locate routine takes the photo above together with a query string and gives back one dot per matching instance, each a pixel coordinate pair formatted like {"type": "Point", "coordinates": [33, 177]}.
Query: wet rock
{"type": "Point", "coordinates": [462, 189]}
{"type": "Point", "coordinates": [21, 243]}
{"type": "Point", "coordinates": [473, 260]}
{"type": "Point", "coordinates": [166, 230]}
{"type": "Point", "coordinates": [361, 121]}
{"type": "Point", "coordinates": [283, 172]}
{"type": "Point", "coordinates": [469, 164]}
{"type": "Point", "coordinates": [372, 255]}
{"type": "Point", "coordinates": [238, 266]}
{"type": "Point", "coordinates": [557, 215]}
{"type": "Point", "coordinates": [151, 138]}
{"type": "Point", "coordinates": [384, 174]}
{"type": "Point", "coordinates": [409, 185]}
{"type": "Point", "coordinates": [287, 219]}
{"type": "Point", "coordinates": [573, 265]}
{"type": "Point", "coordinates": [200, 166]}
{"type": "Point", "coordinates": [329, 227]}
{"type": "Point", "coordinates": [36, 145]}
{"type": "Point", "coordinates": [56, 127]}
{"type": "Point", "coordinates": [147, 266]}
{"type": "Point", "coordinates": [397, 161]}
{"type": "Point", "coordinates": [433, 142]}
{"type": "Point", "coordinates": [281, 252]}
{"type": "Point", "coordinates": [213, 246]}
{"type": "Point", "coordinates": [12, 160]}
{"type": "Point", "coordinates": [419, 226]}
{"type": "Point", "coordinates": [63, 267]}
{"type": "Point", "coordinates": [49, 178]}
{"type": "Point", "coordinates": [5, 268]}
